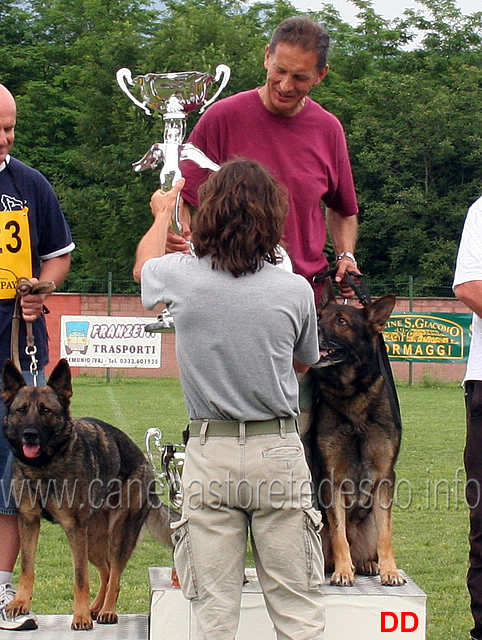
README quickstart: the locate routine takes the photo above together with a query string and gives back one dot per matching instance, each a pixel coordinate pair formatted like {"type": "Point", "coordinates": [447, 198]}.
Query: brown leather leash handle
{"type": "Point", "coordinates": [25, 287]}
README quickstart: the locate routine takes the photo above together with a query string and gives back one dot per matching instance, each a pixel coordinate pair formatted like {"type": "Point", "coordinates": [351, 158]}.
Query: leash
{"type": "Point", "coordinates": [25, 287]}
{"type": "Point", "coordinates": [360, 287]}
{"type": "Point", "coordinates": [363, 294]}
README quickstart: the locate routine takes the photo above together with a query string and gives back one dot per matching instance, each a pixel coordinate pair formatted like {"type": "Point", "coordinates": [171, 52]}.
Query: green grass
{"type": "Point", "coordinates": [430, 516]}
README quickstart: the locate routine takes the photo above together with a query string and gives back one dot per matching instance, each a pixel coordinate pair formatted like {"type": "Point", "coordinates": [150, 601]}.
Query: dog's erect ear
{"type": "Point", "coordinates": [61, 380]}
{"type": "Point", "coordinates": [12, 381]}
{"type": "Point", "coordinates": [328, 294]}
{"type": "Point", "coordinates": [379, 311]}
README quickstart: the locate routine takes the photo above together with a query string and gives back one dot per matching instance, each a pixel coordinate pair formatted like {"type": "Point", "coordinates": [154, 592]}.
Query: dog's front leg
{"type": "Point", "coordinates": [29, 529]}
{"type": "Point", "coordinates": [77, 536]}
{"type": "Point", "coordinates": [382, 510]}
{"type": "Point", "coordinates": [344, 573]}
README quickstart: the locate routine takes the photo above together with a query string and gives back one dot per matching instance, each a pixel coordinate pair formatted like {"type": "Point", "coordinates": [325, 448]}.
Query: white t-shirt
{"type": "Point", "coordinates": [467, 269]}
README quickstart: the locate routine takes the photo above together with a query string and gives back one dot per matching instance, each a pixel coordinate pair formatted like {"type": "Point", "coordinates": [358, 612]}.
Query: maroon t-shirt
{"type": "Point", "coordinates": [306, 152]}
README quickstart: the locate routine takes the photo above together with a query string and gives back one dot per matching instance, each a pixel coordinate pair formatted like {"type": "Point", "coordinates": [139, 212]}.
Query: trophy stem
{"type": "Point", "coordinates": [176, 222]}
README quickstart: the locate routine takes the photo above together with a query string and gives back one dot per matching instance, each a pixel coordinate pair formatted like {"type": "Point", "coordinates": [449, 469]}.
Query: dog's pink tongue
{"type": "Point", "coordinates": [31, 450]}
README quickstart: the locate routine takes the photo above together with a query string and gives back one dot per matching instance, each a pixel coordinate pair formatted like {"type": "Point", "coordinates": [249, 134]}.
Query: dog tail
{"type": "Point", "coordinates": [159, 521]}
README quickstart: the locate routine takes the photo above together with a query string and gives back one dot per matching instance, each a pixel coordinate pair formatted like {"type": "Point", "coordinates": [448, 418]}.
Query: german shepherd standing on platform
{"type": "Point", "coordinates": [88, 476]}
{"type": "Point", "coordinates": [353, 441]}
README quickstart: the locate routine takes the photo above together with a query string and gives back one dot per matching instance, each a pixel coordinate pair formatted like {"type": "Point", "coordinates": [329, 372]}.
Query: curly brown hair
{"type": "Point", "coordinates": [241, 217]}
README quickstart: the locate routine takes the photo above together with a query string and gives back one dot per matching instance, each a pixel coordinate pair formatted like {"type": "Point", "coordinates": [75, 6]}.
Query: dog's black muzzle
{"type": "Point", "coordinates": [30, 435]}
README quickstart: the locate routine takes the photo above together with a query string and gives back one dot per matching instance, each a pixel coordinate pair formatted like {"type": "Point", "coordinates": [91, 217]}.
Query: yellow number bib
{"type": "Point", "coordinates": [15, 250]}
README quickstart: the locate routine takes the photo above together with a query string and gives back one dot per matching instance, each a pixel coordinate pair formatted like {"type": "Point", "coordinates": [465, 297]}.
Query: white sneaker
{"type": "Point", "coordinates": [19, 623]}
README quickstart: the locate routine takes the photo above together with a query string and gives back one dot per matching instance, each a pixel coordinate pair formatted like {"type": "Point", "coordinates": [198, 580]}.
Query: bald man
{"type": "Point", "coordinates": [35, 243]}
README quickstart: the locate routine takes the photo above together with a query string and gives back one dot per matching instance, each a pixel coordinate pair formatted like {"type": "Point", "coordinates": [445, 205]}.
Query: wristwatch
{"type": "Point", "coordinates": [347, 254]}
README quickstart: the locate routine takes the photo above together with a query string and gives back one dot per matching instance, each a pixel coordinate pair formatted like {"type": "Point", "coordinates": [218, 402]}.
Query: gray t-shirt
{"type": "Point", "coordinates": [235, 337]}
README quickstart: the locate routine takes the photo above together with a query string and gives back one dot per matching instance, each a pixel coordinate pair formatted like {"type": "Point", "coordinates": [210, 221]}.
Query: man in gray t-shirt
{"type": "Point", "coordinates": [240, 321]}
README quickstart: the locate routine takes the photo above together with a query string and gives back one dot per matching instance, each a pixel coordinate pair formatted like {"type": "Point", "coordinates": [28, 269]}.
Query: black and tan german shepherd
{"type": "Point", "coordinates": [88, 476]}
{"type": "Point", "coordinates": [353, 441]}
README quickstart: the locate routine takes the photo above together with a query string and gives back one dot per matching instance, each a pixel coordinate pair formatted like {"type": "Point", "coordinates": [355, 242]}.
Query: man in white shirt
{"type": "Point", "coordinates": [468, 288]}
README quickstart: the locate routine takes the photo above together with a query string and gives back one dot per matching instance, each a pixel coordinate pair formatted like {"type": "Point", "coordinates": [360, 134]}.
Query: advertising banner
{"type": "Point", "coordinates": [428, 337]}
{"type": "Point", "coordinates": [107, 341]}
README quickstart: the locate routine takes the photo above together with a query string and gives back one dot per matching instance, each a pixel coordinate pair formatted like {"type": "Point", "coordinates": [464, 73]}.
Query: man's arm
{"type": "Point", "coordinates": [55, 269]}
{"type": "Point", "coordinates": [153, 244]}
{"type": "Point", "coordinates": [344, 233]}
{"type": "Point", "coordinates": [470, 293]}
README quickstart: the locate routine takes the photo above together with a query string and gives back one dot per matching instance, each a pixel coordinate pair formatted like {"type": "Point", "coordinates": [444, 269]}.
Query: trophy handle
{"type": "Point", "coordinates": [189, 152]}
{"type": "Point", "coordinates": [124, 77]}
{"type": "Point", "coordinates": [222, 70]}
{"type": "Point", "coordinates": [151, 158]}
{"type": "Point", "coordinates": [152, 434]}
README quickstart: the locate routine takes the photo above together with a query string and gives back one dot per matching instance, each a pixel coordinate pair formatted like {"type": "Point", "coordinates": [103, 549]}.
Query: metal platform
{"type": "Point", "coordinates": [57, 627]}
{"type": "Point", "coordinates": [351, 612]}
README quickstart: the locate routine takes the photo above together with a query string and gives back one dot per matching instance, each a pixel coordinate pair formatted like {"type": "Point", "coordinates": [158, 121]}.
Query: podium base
{"type": "Point", "coordinates": [131, 626]}
{"type": "Point", "coordinates": [366, 611]}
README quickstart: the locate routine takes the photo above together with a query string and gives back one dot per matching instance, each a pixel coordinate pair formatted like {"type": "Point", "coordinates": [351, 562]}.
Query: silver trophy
{"type": "Point", "coordinates": [174, 95]}
{"type": "Point", "coordinates": [167, 461]}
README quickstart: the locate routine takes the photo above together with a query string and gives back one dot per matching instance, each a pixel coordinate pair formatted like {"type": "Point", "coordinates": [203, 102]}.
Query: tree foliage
{"type": "Point", "coordinates": [407, 91]}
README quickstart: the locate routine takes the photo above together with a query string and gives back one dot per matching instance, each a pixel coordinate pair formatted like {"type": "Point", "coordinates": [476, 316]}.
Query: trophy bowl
{"type": "Point", "coordinates": [179, 92]}
{"type": "Point", "coordinates": [173, 95]}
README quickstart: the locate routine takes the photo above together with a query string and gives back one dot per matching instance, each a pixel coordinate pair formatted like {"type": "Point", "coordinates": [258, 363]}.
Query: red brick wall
{"type": "Point", "coordinates": [97, 305]}
{"type": "Point", "coordinates": [60, 304]}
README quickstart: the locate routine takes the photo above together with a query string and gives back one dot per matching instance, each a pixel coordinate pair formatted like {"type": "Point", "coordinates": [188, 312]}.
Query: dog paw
{"type": "Point", "coordinates": [392, 578]}
{"type": "Point", "coordinates": [17, 607]}
{"type": "Point", "coordinates": [343, 578]}
{"type": "Point", "coordinates": [82, 622]}
{"type": "Point", "coordinates": [107, 617]}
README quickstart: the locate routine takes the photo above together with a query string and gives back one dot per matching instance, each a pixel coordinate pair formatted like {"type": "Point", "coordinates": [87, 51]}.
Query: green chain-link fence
{"type": "Point", "coordinates": [403, 288]}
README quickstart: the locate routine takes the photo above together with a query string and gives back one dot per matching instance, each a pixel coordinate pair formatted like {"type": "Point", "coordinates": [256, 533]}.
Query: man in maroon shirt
{"type": "Point", "coordinates": [301, 144]}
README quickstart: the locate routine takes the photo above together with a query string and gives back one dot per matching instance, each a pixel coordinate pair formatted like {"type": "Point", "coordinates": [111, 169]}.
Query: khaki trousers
{"type": "Point", "coordinates": [260, 484]}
